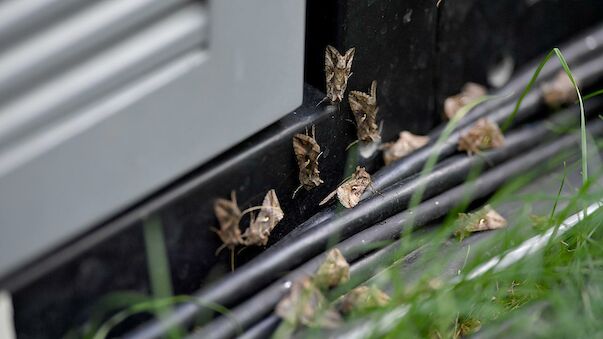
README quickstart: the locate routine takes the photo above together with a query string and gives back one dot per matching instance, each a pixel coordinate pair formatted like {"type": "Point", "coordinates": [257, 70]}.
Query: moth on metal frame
{"type": "Point", "coordinates": [338, 69]}
{"type": "Point", "coordinates": [482, 135]}
{"type": "Point", "coordinates": [228, 214]}
{"type": "Point", "coordinates": [260, 228]}
{"type": "Point", "coordinates": [307, 151]}
{"type": "Point", "coordinates": [351, 190]}
{"type": "Point", "coordinates": [364, 107]}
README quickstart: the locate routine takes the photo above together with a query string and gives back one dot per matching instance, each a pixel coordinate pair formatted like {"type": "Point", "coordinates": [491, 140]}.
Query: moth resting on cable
{"type": "Point", "coordinates": [406, 143]}
{"type": "Point", "coordinates": [260, 227]}
{"type": "Point", "coordinates": [306, 305]}
{"type": "Point", "coordinates": [484, 219]}
{"type": "Point", "coordinates": [364, 107]}
{"type": "Point", "coordinates": [228, 215]}
{"type": "Point", "coordinates": [338, 69]}
{"type": "Point", "coordinates": [333, 271]}
{"type": "Point", "coordinates": [307, 151]}
{"type": "Point", "coordinates": [483, 135]}
{"type": "Point", "coordinates": [469, 92]}
{"type": "Point", "coordinates": [559, 91]}
{"type": "Point", "coordinates": [363, 298]}
{"type": "Point", "coordinates": [351, 190]}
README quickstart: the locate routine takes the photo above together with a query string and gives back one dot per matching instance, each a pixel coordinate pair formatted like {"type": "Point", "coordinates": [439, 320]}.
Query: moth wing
{"type": "Point", "coordinates": [331, 57]}
{"type": "Point", "coordinates": [358, 101]}
{"type": "Point", "coordinates": [271, 212]}
{"type": "Point", "coordinates": [349, 57]}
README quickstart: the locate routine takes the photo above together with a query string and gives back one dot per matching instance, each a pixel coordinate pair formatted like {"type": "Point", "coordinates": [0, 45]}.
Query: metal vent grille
{"type": "Point", "coordinates": [81, 50]}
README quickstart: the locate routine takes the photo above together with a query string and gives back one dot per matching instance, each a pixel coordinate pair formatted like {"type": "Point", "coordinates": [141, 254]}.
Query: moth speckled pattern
{"type": "Point", "coordinates": [307, 151]}
{"type": "Point", "coordinates": [351, 190]}
{"type": "Point", "coordinates": [228, 214]}
{"type": "Point", "coordinates": [364, 107]}
{"type": "Point", "coordinates": [406, 143]}
{"type": "Point", "coordinates": [482, 135]}
{"type": "Point", "coordinates": [338, 69]}
{"type": "Point", "coordinates": [261, 226]}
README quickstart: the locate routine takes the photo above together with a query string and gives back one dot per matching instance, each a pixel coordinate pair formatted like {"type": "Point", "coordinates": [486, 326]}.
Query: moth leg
{"type": "Point", "coordinates": [352, 144]}
{"type": "Point", "coordinates": [374, 190]}
{"type": "Point", "coordinates": [296, 190]}
{"type": "Point", "coordinates": [223, 246]}
{"type": "Point", "coordinates": [321, 101]}
{"type": "Point", "coordinates": [314, 132]}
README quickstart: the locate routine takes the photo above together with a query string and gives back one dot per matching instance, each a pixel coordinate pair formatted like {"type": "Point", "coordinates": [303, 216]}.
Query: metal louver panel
{"type": "Point", "coordinates": [145, 48]}
{"type": "Point", "coordinates": [118, 105]}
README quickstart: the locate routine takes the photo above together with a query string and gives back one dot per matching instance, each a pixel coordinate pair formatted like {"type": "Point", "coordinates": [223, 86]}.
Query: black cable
{"type": "Point", "coordinates": [355, 247]}
{"type": "Point", "coordinates": [273, 263]}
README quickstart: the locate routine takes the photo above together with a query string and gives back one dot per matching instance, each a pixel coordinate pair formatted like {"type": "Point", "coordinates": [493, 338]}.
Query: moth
{"type": "Point", "coordinates": [484, 219]}
{"type": "Point", "coordinates": [338, 69]}
{"type": "Point", "coordinates": [306, 305]}
{"type": "Point", "coordinates": [307, 152]}
{"type": "Point", "coordinates": [469, 92]}
{"type": "Point", "coordinates": [228, 214]}
{"type": "Point", "coordinates": [351, 190]}
{"type": "Point", "coordinates": [362, 298]}
{"type": "Point", "coordinates": [333, 271]}
{"type": "Point", "coordinates": [406, 144]}
{"type": "Point", "coordinates": [261, 226]}
{"type": "Point", "coordinates": [483, 135]}
{"type": "Point", "coordinates": [559, 91]}
{"type": "Point", "coordinates": [364, 107]}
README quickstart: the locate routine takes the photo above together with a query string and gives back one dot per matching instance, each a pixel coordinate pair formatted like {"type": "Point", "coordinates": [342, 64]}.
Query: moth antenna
{"type": "Point", "coordinates": [352, 144]}
{"type": "Point", "coordinates": [314, 132]}
{"type": "Point", "coordinates": [351, 121]}
{"type": "Point", "coordinates": [306, 130]}
{"type": "Point", "coordinates": [374, 189]}
{"type": "Point", "coordinates": [241, 250]}
{"type": "Point", "coordinates": [318, 156]}
{"type": "Point", "coordinates": [329, 197]}
{"type": "Point", "coordinates": [296, 190]}
{"type": "Point", "coordinates": [233, 196]}
{"type": "Point", "coordinates": [374, 88]}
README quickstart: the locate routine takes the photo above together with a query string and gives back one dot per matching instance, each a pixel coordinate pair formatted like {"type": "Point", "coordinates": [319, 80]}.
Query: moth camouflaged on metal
{"type": "Point", "coordinates": [307, 151]}
{"type": "Point", "coordinates": [228, 214]}
{"type": "Point", "coordinates": [261, 226]}
{"type": "Point", "coordinates": [483, 135]}
{"type": "Point", "coordinates": [469, 92]}
{"type": "Point", "coordinates": [363, 298]}
{"type": "Point", "coordinates": [338, 69]}
{"type": "Point", "coordinates": [306, 305]}
{"type": "Point", "coordinates": [406, 143]}
{"type": "Point", "coordinates": [483, 220]}
{"type": "Point", "coordinates": [333, 271]}
{"type": "Point", "coordinates": [364, 107]}
{"type": "Point", "coordinates": [351, 190]}
{"type": "Point", "coordinates": [559, 91]}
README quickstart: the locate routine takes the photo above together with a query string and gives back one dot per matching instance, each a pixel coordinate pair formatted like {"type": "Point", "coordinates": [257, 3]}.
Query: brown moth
{"type": "Point", "coordinates": [333, 271]}
{"type": "Point", "coordinates": [338, 69]}
{"type": "Point", "coordinates": [469, 92]}
{"type": "Point", "coordinates": [228, 214]}
{"type": "Point", "coordinates": [406, 143]}
{"type": "Point", "coordinates": [364, 107]}
{"type": "Point", "coordinates": [306, 305]}
{"type": "Point", "coordinates": [363, 298]}
{"type": "Point", "coordinates": [484, 219]}
{"type": "Point", "coordinates": [483, 135]}
{"type": "Point", "coordinates": [307, 151]}
{"type": "Point", "coordinates": [351, 190]}
{"type": "Point", "coordinates": [466, 326]}
{"type": "Point", "coordinates": [259, 228]}
{"type": "Point", "coordinates": [559, 91]}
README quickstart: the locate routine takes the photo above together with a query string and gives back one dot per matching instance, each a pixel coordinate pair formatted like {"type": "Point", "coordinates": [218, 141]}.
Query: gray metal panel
{"type": "Point", "coordinates": [104, 153]}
